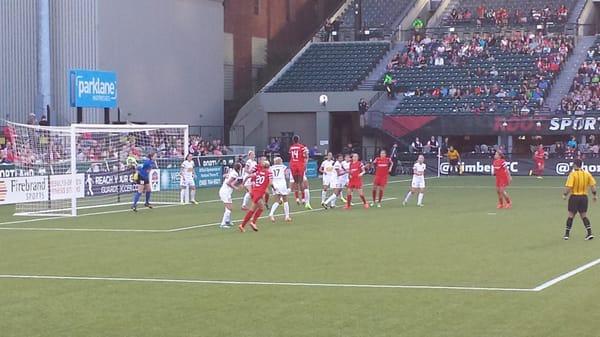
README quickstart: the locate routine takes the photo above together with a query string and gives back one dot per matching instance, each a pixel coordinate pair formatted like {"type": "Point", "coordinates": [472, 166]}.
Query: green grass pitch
{"type": "Point", "coordinates": [484, 261]}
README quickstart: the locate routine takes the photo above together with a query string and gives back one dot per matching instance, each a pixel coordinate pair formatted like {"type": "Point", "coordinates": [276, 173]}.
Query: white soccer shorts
{"type": "Point", "coordinates": [187, 181]}
{"type": "Point", "coordinates": [418, 182]}
{"type": "Point", "coordinates": [281, 189]}
{"type": "Point", "coordinates": [225, 196]}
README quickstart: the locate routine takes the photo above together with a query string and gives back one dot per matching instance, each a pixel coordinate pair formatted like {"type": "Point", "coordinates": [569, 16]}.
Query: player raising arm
{"type": "Point", "coordinates": [503, 179]}
{"type": "Point", "coordinates": [143, 181]}
{"type": "Point", "coordinates": [232, 181]}
{"type": "Point", "coordinates": [280, 188]}
{"type": "Point", "coordinates": [298, 158]}
{"type": "Point", "coordinates": [357, 170]}
{"type": "Point", "coordinates": [418, 181]}
{"type": "Point", "coordinates": [261, 180]}
{"type": "Point", "coordinates": [578, 183]}
{"type": "Point", "coordinates": [186, 181]}
{"type": "Point", "coordinates": [383, 167]}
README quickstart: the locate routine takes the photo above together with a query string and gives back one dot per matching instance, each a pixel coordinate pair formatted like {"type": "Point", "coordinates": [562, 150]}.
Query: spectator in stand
{"type": "Point", "coordinates": [3, 155]}
{"type": "Point", "coordinates": [31, 119]}
{"type": "Point", "coordinates": [275, 146]}
{"type": "Point", "coordinates": [433, 145]}
{"type": "Point", "coordinates": [416, 146]}
{"type": "Point", "coordinates": [44, 121]}
{"type": "Point", "coordinates": [313, 152]}
{"type": "Point", "coordinates": [572, 143]}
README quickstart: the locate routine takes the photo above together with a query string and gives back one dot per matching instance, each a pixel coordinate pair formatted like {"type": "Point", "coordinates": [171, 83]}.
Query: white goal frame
{"type": "Point", "coordinates": [76, 129]}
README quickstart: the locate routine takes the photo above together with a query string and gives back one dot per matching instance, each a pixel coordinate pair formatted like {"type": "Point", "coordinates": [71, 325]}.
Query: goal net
{"type": "Point", "coordinates": [67, 170]}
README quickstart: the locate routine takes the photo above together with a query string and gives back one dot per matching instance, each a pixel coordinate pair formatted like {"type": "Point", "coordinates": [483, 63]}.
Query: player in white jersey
{"type": "Point", "coordinates": [249, 168]}
{"type": "Point", "coordinates": [186, 181]}
{"type": "Point", "coordinates": [326, 170]}
{"type": "Point", "coordinates": [280, 188]}
{"type": "Point", "coordinates": [344, 178]}
{"type": "Point", "coordinates": [335, 182]}
{"type": "Point", "coordinates": [418, 181]}
{"type": "Point", "coordinates": [232, 181]}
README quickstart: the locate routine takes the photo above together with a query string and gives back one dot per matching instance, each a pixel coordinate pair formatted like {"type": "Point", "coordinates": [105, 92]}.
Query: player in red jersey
{"type": "Point", "coordinates": [298, 158]}
{"type": "Point", "coordinates": [539, 158]}
{"type": "Point", "coordinates": [261, 180]}
{"type": "Point", "coordinates": [383, 167]}
{"type": "Point", "coordinates": [503, 179]}
{"type": "Point", "coordinates": [357, 170]}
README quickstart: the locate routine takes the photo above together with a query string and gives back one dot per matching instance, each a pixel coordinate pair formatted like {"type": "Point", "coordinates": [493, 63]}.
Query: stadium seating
{"type": "Point", "coordinates": [524, 8]}
{"type": "Point", "coordinates": [338, 66]}
{"type": "Point", "coordinates": [376, 13]}
{"type": "Point", "coordinates": [518, 75]}
{"type": "Point", "coordinates": [584, 96]}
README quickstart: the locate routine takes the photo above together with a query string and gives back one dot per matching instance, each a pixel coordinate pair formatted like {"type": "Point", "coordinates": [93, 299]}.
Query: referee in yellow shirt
{"type": "Point", "coordinates": [578, 183]}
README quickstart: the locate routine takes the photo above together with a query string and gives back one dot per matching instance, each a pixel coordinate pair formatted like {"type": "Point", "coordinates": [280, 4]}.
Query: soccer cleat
{"type": "Point", "coordinates": [241, 228]}
{"type": "Point", "coordinates": [540, 177]}
{"type": "Point", "coordinates": [372, 204]}
{"type": "Point", "coordinates": [589, 237]}
{"type": "Point", "coordinates": [253, 225]}
{"type": "Point", "coordinates": [508, 206]}
{"type": "Point", "coordinates": [272, 218]}
{"type": "Point", "coordinates": [500, 206]}
{"type": "Point", "coordinates": [245, 209]}
{"type": "Point", "coordinates": [366, 206]}
{"type": "Point", "coordinates": [225, 226]}
{"type": "Point", "coordinates": [566, 237]}
{"type": "Point", "coordinates": [343, 199]}
{"type": "Point", "coordinates": [298, 201]}
{"type": "Point", "coordinates": [420, 205]}
{"type": "Point", "coordinates": [308, 206]}
{"type": "Point", "coordinates": [379, 205]}
{"type": "Point", "coordinates": [149, 206]}
{"type": "Point", "coordinates": [267, 206]}
{"type": "Point", "coordinates": [288, 219]}
{"type": "Point", "coordinates": [530, 172]}
{"type": "Point", "coordinates": [134, 208]}
{"type": "Point", "coordinates": [182, 202]}
{"type": "Point", "coordinates": [347, 207]}
{"type": "Point", "coordinates": [194, 202]}
{"type": "Point", "coordinates": [324, 206]}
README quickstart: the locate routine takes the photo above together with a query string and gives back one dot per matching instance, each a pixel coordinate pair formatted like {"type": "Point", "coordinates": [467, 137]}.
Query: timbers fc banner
{"type": "Point", "coordinates": [517, 166]}
{"type": "Point", "coordinates": [471, 124]}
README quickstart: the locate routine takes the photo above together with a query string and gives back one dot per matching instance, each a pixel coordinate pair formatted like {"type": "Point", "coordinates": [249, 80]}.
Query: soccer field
{"type": "Point", "coordinates": [457, 267]}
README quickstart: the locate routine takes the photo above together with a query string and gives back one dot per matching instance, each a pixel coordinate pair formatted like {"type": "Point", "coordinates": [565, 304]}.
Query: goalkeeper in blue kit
{"type": "Point", "coordinates": [142, 178]}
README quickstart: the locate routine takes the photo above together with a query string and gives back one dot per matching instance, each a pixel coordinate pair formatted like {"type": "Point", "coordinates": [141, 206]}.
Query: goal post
{"type": "Point", "coordinates": [87, 166]}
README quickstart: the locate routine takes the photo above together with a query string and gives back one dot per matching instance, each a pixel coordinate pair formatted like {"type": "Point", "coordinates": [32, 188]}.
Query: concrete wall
{"type": "Point", "coordinates": [17, 58]}
{"type": "Point", "coordinates": [300, 123]}
{"type": "Point", "coordinates": [73, 44]}
{"type": "Point", "coordinates": [168, 55]}
{"type": "Point", "coordinates": [254, 116]}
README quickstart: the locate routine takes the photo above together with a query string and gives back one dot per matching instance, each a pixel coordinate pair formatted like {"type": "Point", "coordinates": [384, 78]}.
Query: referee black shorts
{"type": "Point", "coordinates": [578, 204]}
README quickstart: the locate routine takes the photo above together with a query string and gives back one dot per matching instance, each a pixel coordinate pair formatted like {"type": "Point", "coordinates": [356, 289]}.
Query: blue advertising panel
{"type": "Point", "coordinates": [205, 177]}
{"type": "Point", "coordinates": [312, 171]}
{"type": "Point", "coordinates": [209, 176]}
{"type": "Point", "coordinates": [93, 89]}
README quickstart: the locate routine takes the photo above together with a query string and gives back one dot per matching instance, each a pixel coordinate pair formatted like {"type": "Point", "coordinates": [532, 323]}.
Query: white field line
{"type": "Point", "coordinates": [565, 276]}
{"type": "Point", "coordinates": [171, 205]}
{"type": "Point", "coordinates": [301, 284]}
{"type": "Point", "coordinates": [259, 283]}
{"type": "Point", "coordinates": [179, 229]}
